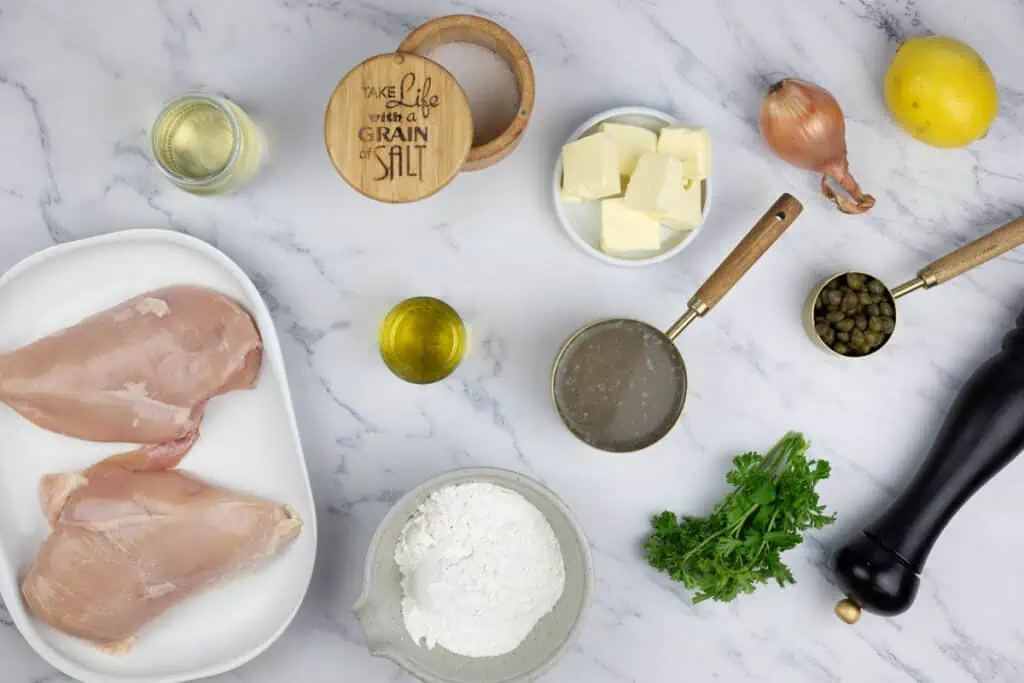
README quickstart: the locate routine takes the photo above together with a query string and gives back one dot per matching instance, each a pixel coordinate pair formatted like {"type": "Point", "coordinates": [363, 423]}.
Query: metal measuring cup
{"type": "Point", "coordinates": [619, 385]}
{"type": "Point", "coordinates": [981, 250]}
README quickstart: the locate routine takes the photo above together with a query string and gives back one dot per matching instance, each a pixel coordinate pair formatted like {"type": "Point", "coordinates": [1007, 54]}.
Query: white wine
{"type": "Point", "coordinates": [198, 141]}
{"type": "Point", "coordinates": [205, 143]}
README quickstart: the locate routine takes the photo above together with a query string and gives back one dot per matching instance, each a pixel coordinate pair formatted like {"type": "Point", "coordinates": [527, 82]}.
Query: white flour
{"type": "Point", "coordinates": [480, 567]}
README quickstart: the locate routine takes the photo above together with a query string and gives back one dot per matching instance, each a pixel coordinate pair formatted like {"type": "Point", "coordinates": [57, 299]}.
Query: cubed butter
{"type": "Point", "coordinates": [624, 230]}
{"type": "Point", "coordinates": [633, 141]}
{"type": "Point", "coordinates": [590, 167]}
{"type": "Point", "coordinates": [684, 211]}
{"type": "Point", "coordinates": [569, 198]}
{"type": "Point", "coordinates": [654, 183]}
{"type": "Point", "coordinates": [691, 145]}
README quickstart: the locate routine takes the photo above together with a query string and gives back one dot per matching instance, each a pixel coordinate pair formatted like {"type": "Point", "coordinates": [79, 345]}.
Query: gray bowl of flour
{"type": "Point", "coordinates": [518, 534]}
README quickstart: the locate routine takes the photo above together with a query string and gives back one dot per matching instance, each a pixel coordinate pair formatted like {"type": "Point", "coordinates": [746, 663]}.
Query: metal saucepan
{"type": "Point", "coordinates": [620, 384]}
{"type": "Point", "coordinates": [981, 250]}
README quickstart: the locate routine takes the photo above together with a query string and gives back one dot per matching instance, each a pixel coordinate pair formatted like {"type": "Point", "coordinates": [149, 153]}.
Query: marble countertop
{"type": "Point", "coordinates": [81, 82]}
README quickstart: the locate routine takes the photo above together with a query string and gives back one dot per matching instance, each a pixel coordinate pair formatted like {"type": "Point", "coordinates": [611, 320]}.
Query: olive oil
{"type": "Point", "coordinates": [422, 340]}
{"type": "Point", "coordinates": [205, 143]}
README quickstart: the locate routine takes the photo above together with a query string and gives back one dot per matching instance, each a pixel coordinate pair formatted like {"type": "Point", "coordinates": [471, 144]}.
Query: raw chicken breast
{"type": "Point", "coordinates": [140, 372]}
{"type": "Point", "coordinates": [131, 540]}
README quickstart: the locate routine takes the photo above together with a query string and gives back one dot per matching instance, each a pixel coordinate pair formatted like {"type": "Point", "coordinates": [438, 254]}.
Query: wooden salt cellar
{"type": "Point", "coordinates": [399, 128]}
{"type": "Point", "coordinates": [465, 28]}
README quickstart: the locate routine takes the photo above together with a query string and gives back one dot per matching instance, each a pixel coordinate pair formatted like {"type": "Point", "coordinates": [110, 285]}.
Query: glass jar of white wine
{"type": "Point", "coordinates": [205, 143]}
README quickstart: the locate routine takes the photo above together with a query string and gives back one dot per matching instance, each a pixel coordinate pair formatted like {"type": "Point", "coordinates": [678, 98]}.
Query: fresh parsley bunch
{"type": "Point", "coordinates": [739, 546]}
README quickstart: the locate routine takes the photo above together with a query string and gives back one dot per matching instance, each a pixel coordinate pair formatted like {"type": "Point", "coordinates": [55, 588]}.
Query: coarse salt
{"type": "Point", "coordinates": [489, 84]}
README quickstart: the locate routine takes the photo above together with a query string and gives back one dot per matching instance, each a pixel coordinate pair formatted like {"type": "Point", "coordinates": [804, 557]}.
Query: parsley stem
{"type": "Point", "coordinates": [730, 530]}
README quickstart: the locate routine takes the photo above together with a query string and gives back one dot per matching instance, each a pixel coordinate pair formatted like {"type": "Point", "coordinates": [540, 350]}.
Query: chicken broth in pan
{"type": "Point", "coordinates": [618, 383]}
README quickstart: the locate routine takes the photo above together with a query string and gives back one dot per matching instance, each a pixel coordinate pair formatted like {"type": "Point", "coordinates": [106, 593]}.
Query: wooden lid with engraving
{"type": "Point", "coordinates": [398, 127]}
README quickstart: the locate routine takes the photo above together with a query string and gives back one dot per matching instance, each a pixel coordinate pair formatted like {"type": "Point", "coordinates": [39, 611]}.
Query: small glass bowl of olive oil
{"type": "Point", "coordinates": [422, 340]}
{"type": "Point", "coordinates": [205, 143]}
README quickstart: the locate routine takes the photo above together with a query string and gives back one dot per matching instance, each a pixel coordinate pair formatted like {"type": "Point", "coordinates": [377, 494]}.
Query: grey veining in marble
{"type": "Point", "coordinates": [80, 83]}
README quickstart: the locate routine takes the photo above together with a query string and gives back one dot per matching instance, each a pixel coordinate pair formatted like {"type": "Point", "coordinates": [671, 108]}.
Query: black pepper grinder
{"type": "Point", "coordinates": [982, 433]}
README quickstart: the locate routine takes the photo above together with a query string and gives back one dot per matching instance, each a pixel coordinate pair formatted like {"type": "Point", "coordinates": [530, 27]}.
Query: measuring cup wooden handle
{"type": "Point", "coordinates": [771, 226]}
{"type": "Point", "coordinates": [981, 250]}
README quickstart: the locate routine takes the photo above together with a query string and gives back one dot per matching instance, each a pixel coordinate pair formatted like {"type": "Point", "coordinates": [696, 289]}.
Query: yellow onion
{"type": "Point", "coordinates": [803, 124]}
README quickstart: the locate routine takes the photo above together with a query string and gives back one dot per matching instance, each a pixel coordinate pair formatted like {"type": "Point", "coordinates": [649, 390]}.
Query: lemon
{"type": "Point", "coordinates": [941, 91]}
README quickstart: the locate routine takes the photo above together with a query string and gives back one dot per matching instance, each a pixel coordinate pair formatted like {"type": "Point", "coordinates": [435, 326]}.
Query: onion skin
{"type": "Point", "coordinates": [802, 123]}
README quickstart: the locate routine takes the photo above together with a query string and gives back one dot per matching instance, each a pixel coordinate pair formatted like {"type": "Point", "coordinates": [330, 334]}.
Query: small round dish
{"type": "Point", "coordinates": [582, 220]}
{"type": "Point", "coordinates": [379, 608]}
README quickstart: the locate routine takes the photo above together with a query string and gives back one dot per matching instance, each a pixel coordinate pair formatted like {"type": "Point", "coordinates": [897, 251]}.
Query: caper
{"type": "Point", "coordinates": [854, 314]}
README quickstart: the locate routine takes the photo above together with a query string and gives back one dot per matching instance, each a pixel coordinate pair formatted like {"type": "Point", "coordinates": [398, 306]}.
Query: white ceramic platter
{"type": "Point", "coordinates": [248, 442]}
{"type": "Point", "coordinates": [582, 220]}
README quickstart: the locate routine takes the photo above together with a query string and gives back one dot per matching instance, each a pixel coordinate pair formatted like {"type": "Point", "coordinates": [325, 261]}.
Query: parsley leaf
{"type": "Point", "coordinates": [738, 547]}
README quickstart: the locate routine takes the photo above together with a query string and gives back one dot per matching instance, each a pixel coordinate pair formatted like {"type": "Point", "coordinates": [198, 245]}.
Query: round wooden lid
{"type": "Point", "coordinates": [398, 127]}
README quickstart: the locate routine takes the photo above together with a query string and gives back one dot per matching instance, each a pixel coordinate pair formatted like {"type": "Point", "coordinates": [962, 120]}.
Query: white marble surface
{"type": "Point", "coordinates": [80, 83]}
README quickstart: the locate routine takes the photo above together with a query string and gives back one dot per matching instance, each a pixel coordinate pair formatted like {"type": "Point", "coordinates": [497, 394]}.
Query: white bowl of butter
{"type": "Point", "coordinates": [651, 221]}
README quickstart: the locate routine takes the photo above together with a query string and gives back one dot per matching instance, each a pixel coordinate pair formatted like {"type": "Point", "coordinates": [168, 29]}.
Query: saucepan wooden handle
{"type": "Point", "coordinates": [981, 250]}
{"type": "Point", "coordinates": [771, 226]}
